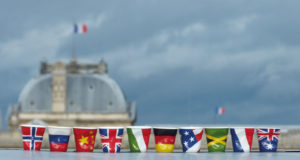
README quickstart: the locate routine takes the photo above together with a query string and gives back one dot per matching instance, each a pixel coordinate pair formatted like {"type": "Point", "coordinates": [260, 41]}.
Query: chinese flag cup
{"type": "Point", "coordinates": [84, 138]}
{"type": "Point", "coordinates": [138, 138]}
{"type": "Point", "coordinates": [216, 139]}
{"type": "Point", "coordinates": [111, 139]}
{"type": "Point", "coordinates": [268, 139]}
{"type": "Point", "coordinates": [59, 138]}
{"type": "Point", "coordinates": [164, 138]}
{"type": "Point", "coordinates": [32, 136]}
{"type": "Point", "coordinates": [191, 138]}
{"type": "Point", "coordinates": [242, 139]}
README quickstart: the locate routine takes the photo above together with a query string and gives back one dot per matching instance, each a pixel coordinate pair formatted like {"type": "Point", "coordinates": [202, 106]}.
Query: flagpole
{"type": "Point", "coordinates": [73, 45]}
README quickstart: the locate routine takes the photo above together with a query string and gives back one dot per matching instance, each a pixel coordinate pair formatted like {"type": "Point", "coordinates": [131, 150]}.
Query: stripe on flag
{"type": "Point", "coordinates": [220, 110]}
{"type": "Point", "coordinates": [80, 28]}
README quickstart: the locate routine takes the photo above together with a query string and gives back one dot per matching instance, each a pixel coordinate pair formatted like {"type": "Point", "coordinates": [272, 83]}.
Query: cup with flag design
{"type": "Point", "coordinates": [32, 136]}
{"type": "Point", "coordinates": [59, 138]}
{"type": "Point", "coordinates": [84, 138]}
{"type": "Point", "coordinates": [191, 138]}
{"type": "Point", "coordinates": [138, 138]}
{"type": "Point", "coordinates": [268, 139]}
{"type": "Point", "coordinates": [164, 138]}
{"type": "Point", "coordinates": [111, 139]}
{"type": "Point", "coordinates": [216, 139]}
{"type": "Point", "coordinates": [242, 139]}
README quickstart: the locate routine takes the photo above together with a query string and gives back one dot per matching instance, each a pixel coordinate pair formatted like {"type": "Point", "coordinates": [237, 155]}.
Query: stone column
{"type": "Point", "coordinates": [59, 87]}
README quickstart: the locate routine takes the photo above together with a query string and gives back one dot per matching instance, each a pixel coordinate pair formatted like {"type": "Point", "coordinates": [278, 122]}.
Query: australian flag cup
{"type": "Point", "coordinates": [59, 138]}
{"type": "Point", "coordinates": [111, 139]}
{"type": "Point", "coordinates": [242, 139]}
{"type": "Point", "coordinates": [268, 139]}
{"type": "Point", "coordinates": [32, 136]}
{"type": "Point", "coordinates": [191, 138]}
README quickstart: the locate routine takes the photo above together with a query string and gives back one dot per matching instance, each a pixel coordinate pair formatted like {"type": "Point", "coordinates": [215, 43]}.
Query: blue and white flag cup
{"type": "Point", "coordinates": [59, 138]}
{"type": "Point", "coordinates": [242, 139]}
{"type": "Point", "coordinates": [268, 139]}
{"type": "Point", "coordinates": [191, 138]}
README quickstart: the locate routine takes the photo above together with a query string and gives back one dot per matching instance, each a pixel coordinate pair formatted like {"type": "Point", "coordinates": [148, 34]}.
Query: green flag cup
{"type": "Point", "coordinates": [216, 139]}
{"type": "Point", "coordinates": [138, 138]}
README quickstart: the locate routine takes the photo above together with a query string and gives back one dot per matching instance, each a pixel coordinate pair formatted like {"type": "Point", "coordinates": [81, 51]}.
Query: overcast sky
{"type": "Point", "coordinates": [178, 59]}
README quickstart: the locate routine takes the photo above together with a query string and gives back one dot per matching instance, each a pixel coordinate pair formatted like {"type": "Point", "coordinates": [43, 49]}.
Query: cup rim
{"type": "Point", "coordinates": [173, 128]}
{"type": "Point", "coordinates": [242, 128]}
{"type": "Point", "coordinates": [84, 128]}
{"type": "Point", "coordinates": [267, 128]}
{"type": "Point", "coordinates": [217, 127]}
{"type": "Point", "coordinates": [137, 127]}
{"type": "Point", "coordinates": [59, 127]}
{"type": "Point", "coordinates": [117, 127]}
{"type": "Point", "coordinates": [191, 127]}
{"type": "Point", "coordinates": [32, 125]}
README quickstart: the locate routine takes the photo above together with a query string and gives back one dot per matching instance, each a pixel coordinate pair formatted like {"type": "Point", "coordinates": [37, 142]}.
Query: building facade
{"type": "Point", "coordinates": [72, 94]}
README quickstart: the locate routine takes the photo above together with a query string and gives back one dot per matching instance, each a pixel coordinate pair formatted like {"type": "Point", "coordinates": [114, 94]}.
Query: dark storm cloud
{"type": "Point", "coordinates": [179, 56]}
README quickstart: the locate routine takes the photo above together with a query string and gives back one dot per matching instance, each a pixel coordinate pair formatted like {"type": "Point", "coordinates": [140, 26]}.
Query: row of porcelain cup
{"type": "Point", "coordinates": [138, 138]}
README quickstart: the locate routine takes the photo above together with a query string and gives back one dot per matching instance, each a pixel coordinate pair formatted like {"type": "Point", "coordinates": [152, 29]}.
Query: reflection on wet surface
{"type": "Point", "coordinates": [177, 155]}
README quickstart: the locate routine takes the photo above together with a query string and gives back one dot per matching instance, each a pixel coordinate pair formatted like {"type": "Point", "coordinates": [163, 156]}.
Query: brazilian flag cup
{"type": "Point", "coordinates": [216, 139]}
{"type": "Point", "coordinates": [138, 138]}
{"type": "Point", "coordinates": [164, 138]}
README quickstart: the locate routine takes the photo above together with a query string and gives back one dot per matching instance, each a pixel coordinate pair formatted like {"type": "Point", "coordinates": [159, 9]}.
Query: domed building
{"type": "Point", "coordinates": [72, 94]}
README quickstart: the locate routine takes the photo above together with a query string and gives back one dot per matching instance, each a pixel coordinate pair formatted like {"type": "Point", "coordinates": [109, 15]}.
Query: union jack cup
{"type": "Point", "coordinates": [191, 138]}
{"type": "Point", "coordinates": [268, 139]}
{"type": "Point", "coordinates": [32, 136]}
{"type": "Point", "coordinates": [111, 139]}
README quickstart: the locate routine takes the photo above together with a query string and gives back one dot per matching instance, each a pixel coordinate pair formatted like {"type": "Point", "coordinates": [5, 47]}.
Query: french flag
{"type": "Point", "coordinates": [80, 28]}
{"type": "Point", "coordinates": [59, 138]}
{"type": "Point", "coordinates": [242, 139]}
{"type": "Point", "coordinates": [220, 110]}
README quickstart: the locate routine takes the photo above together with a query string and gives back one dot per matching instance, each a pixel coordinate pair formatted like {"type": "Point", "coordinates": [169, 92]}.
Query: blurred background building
{"type": "Point", "coordinates": [72, 94]}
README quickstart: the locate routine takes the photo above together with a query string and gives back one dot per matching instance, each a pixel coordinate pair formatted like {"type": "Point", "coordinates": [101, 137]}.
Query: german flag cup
{"type": "Point", "coordinates": [164, 138]}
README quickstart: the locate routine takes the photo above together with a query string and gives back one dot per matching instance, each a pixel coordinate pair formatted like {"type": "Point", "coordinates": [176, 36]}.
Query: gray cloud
{"type": "Point", "coordinates": [184, 57]}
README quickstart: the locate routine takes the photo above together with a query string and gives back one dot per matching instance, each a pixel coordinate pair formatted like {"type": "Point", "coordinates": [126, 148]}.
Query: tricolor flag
{"type": "Point", "coordinates": [242, 139]}
{"type": "Point", "coordinates": [165, 139]}
{"type": "Point", "coordinates": [59, 138]}
{"type": "Point", "coordinates": [138, 138]}
{"type": "Point", "coordinates": [220, 110]}
{"type": "Point", "coordinates": [80, 28]}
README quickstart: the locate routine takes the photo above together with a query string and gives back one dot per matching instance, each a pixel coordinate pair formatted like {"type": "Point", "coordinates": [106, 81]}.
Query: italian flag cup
{"type": "Point", "coordinates": [164, 138]}
{"type": "Point", "coordinates": [84, 138]}
{"type": "Point", "coordinates": [216, 139]}
{"type": "Point", "coordinates": [59, 138]}
{"type": "Point", "coordinates": [138, 138]}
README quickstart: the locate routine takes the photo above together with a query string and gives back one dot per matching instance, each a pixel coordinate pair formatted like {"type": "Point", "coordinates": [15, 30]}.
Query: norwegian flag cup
{"type": "Point", "coordinates": [242, 139]}
{"type": "Point", "coordinates": [84, 138]}
{"type": "Point", "coordinates": [268, 139]}
{"type": "Point", "coordinates": [111, 139]}
{"type": "Point", "coordinates": [138, 138]}
{"type": "Point", "coordinates": [32, 136]}
{"type": "Point", "coordinates": [191, 138]}
{"type": "Point", "coordinates": [59, 138]}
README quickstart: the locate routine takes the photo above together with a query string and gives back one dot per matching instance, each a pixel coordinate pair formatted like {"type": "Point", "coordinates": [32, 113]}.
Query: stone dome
{"type": "Point", "coordinates": [85, 93]}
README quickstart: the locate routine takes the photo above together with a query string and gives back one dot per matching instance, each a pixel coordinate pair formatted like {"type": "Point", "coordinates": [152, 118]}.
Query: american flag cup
{"type": "Point", "coordinates": [191, 138]}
